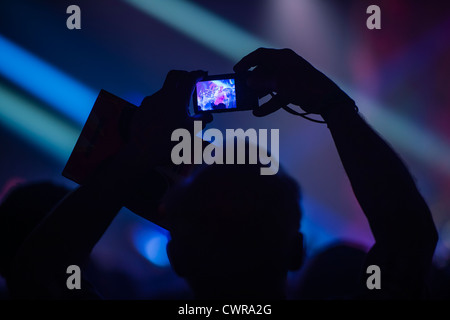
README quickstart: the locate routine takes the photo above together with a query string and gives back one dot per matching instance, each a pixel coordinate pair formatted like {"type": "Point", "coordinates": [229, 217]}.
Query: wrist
{"type": "Point", "coordinates": [339, 111]}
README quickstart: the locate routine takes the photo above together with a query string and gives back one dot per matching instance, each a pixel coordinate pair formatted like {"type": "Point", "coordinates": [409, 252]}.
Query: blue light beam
{"type": "Point", "coordinates": [37, 125]}
{"type": "Point", "coordinates": [209, 29]}
{"type": "Point", "coordinates": [45, 82]}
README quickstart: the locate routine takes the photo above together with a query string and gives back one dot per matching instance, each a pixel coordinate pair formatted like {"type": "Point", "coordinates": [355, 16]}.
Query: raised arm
{"type": "Point", "coordinates": [399, 218]}
{"type": "Point", "coordinates": [69, 233]}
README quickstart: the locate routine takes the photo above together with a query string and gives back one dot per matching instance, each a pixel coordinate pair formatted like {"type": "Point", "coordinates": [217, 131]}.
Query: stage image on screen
{"type": "Point", "coordinates": [216, 94]}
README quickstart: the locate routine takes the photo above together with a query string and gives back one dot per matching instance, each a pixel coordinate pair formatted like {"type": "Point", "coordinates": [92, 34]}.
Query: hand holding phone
{"type": "Point", "coordinates": [293, 79]}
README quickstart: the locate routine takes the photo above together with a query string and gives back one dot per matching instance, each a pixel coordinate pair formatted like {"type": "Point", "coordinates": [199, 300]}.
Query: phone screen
{"type": "Point", "coordinates": [216, 94]}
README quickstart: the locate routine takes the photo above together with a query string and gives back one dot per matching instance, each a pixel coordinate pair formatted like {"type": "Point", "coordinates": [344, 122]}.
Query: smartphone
{"type": "Point", "coordinates": [224, 93]}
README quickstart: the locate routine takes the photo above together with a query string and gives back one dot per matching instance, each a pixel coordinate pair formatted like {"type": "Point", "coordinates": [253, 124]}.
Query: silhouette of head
{"type": "Point", "coordinates": [234, 232]}
{"type": "Point", "coordinates": [21, 211]}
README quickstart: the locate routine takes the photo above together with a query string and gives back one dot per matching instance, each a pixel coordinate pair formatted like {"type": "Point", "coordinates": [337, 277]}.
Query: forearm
{"type": "Point", "coordinates": [77, 223]}
{"type": "Point", "coordinates": [69, 233]}
{"type": "Point", "coordinates": [66, 237]}
{"type": "Point", "coordinates": [381, 182]}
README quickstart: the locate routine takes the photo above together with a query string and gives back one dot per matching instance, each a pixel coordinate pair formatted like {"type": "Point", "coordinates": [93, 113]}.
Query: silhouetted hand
{"type": "Point", "coordinates": [149, 147]}
{"type": "Point", "coordinates": [292, 78]}
{"type": "Point", "coordinates": [163, 112]}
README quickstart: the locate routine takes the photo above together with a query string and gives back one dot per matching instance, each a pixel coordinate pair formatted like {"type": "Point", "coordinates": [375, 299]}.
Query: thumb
{"type": "Point", "coordinates": [269, 107]}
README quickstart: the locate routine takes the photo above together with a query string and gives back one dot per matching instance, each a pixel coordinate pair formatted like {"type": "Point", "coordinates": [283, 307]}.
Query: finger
{"type": "Point", "coordinates": [173, 78]}
{"type": "Point", "coordinates": [194, 77]}
{"type": "Point", "coordinates": [269, 107]}
{"type": "Point", "coordinates": [187, 83]}
{"type": "Point", "coordinates": [262, 80]}
{"type": "Point", "coordinates": [257, 57]}
{"type": "Point", "coordinates": [198, 74]}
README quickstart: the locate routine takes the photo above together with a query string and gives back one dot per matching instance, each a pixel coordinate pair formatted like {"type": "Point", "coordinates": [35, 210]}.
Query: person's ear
{"type": "Point", "coordinates": [297, 252]}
